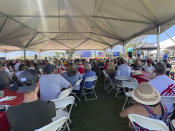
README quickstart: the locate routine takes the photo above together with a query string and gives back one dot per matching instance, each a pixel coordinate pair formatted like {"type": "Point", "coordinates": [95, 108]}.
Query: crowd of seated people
{"type": "Point", "coordinates": [40, 81]}
{"type": "Point", "coordinates": [49, 78]}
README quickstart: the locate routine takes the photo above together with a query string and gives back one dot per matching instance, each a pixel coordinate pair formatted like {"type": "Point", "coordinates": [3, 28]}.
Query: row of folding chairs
{"type": "Point", "coordinates": [120, 84]}
{"type": "Point", "coordinates": [86, 91]}
{"type": "Point", "coordinates": [62, 119]}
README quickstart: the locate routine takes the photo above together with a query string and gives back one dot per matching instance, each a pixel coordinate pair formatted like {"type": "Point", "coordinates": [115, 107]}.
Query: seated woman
{"type": "Point", "coordinates": [146, 103]}
{"type": "Point", "coordinates": [149, 67]}
{"type": "Point", "coordinates": [72, 75]}
{"type": "Point", "coordinates": [137, 65]}
{"type": "Point", "coordinates": [111, 70]}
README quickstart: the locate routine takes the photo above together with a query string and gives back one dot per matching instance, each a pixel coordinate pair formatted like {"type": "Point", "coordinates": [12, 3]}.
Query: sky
{"type": "Point", "coordinates": [149, 39]}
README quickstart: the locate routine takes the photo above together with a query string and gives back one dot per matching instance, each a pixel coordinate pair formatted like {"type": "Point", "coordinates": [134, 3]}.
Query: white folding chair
{"type": "Point", "coordinates": [77, 84]}
{"type": "Point", "coordinates": [168, 99]}
{"type": "Point", "coordinates": [173, 123]}
{"type": "Point", "coordinates": [54, 126]}
{"type": "Point", "coordinates": [130, 86]}
{"type": "Point", "coordinates": [120, 80]}
{"type": "Point", "coordinates": [90, 91]}
{"type": "Point", "coordinates": [131, 79]}
{"type": "Point", "coordinates": [61, 105]}
{"type": "Point", "coordinates": [65, 93]}
{"type": "Point", "coordinates": [148, 123]}
{"type": "Point", "coordinates": [108, 82]}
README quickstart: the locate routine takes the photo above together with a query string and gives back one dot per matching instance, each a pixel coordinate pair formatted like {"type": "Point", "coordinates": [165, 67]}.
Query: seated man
{"type": "Point", "coordinates": [163, 83]}
{"type": "Point", "coordinates": [32, 113]}
{"type": "Point", "coordinates": [123, 69]}
{"type": "Point", "coordinates": [88, 73]}
{"type": "Point", "coordinates": [5, 79]}
{"type": "Point", "coordinates": [149, 67]}
{"type": "Point", "coordinates": [51, 84]}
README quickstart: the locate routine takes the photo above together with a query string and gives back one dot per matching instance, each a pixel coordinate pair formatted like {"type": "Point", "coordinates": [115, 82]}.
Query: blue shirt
{"type": "Point", "coordinates": [51, 86]}
{"type": "Point", "coordinates": [124, 70]}
{"type": "Point", "coordinates": [88, 74]}
{"type": "Point", "coordinates": [73, 79]}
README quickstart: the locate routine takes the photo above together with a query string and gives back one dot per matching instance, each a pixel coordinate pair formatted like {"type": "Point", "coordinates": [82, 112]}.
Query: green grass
{"type": "Point", "coordinates": [101, 114]}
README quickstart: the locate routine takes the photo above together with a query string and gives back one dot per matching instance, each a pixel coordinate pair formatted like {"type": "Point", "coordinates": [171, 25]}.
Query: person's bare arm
{"type": "Point", "coordinates": [129, 110]}
{"type": "Point", "coordinates": [70, 86]}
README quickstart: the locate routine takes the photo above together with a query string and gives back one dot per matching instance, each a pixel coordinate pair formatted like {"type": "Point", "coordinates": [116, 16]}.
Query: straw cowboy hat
{"type": "Point", "coordinates": [146, 94]}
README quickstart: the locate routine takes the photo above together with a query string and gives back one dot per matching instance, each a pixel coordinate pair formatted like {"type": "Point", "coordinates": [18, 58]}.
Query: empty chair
{"type": "Point", "coordinates": [61, 104]}
{"type": "Point", "coordinates": [130, 86]}
{"type": "Point", "coordinates": [65, 93]}
{"type": "Point", "coordinates": [90, 91]}
{"type": "Point", "coordinates": [77, 84]}
{"type": "Point", "coordinates": [120, 80]}
{"type": "Point", "coordinates": [131, 79]}
{"type": "Point", "coordinates": [108, 82]}
{"type": "Point", "coordinates": [148, 123]}
{"type": "Point", "coordinates": [54, 126]}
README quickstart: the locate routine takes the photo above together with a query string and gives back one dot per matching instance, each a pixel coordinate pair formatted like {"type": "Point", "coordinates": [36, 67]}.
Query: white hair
{"type": "Point", "coordinates": [88, 67]}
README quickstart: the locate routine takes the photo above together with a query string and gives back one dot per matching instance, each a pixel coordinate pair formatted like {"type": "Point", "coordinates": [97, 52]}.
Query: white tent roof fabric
{"type": "Point", "coordinates": [43, 25]}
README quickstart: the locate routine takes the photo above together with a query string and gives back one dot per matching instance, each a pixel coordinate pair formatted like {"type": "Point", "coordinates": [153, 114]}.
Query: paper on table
{"type": "Point", "coordinates": [7, 98]}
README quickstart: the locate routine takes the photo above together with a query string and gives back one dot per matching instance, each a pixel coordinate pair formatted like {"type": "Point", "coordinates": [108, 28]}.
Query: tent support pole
{"type": "Point", "coordinates": [124, 48]}
{"type": "Point", "coordinates": [158, 43]}
{"type": "Point", "coordinates": [111, 54]}
{"type": "Point", "coordinates": [95, 54]}
{"type": "Point", "coordinates": [39, 54]}
{"type": "Point", "coordinates": [24, 53]}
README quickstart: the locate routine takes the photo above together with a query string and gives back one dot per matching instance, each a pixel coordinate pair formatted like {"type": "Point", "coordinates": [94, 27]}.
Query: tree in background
{"type": "Point", "coordinates": [167, 52]}
{"type": "Point", "coordinates": [134, 43]}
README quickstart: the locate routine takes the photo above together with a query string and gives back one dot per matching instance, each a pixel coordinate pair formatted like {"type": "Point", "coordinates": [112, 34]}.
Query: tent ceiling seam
{"type": "Point", "coordinates": [107, 36]}
{"type": "Point", "coordinates": [149, 11]}
{"type": "Point", "coordinates": [101, 42]}
{"type": "Point", "coordinates": [31, 40]}
{"type": "Point", "coordinates": [150, 28]}
{"type": "Point", "coordinates": [124, 20]}
{"type": "Point", "coordinates": [38, 42]}
{"type": "Point", "coordinates": [2, 40]}
{"type": "Point", "coordinates": [81, 43]}
{"type": "Point", "coordinates": [3, 24]}
{"type": "Point", "coordinates": [61, 43]}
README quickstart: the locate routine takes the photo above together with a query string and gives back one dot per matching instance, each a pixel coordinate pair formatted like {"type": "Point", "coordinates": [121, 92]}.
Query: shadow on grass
{"type": "Point", "coordinates": [101, 114]}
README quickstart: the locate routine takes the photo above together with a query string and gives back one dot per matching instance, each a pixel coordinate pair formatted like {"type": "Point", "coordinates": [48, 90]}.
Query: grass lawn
{"type": "Point", "coordinates": [101, 114]}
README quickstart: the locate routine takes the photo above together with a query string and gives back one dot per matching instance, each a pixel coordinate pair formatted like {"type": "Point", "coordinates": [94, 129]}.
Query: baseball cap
{"type": "Point", "coordinates": [27, 81]}
{"type": "Point", "coordinates": [49, 68]}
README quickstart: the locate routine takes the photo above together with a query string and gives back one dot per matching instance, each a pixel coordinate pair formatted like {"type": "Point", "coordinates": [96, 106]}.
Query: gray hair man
{"type": "Point", "coordinates": [88, 73]}
{"type": "Point", "coordinates": [163, 84]}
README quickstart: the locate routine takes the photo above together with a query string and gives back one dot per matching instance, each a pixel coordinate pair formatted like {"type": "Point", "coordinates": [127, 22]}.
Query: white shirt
{"type": "Point", "coordinates": [51, 86]}
{"type": "Point", "coordinates": [149, 68]}
{"type": "Point", "coordinates": [124, 70]}
{"type": "Point", "coordinates": [166, 87]}
{"type": "Point", "coordinates": [17, 66]}
{"type": "Point", "coordinates": [18, 73]}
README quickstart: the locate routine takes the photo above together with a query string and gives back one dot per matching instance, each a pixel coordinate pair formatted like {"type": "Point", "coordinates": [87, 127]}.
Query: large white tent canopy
{"type": "Point", "coordinates": [44, 25]}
